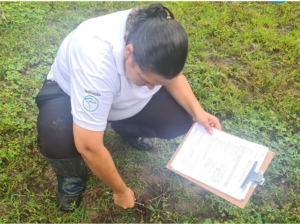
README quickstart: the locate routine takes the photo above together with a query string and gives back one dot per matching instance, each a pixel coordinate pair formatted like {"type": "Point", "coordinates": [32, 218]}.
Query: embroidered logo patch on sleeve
{"type": "Point", "coordinates": [90, 103]}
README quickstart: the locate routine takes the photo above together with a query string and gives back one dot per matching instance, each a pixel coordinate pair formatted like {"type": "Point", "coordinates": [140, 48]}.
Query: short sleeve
{"type": "Point", "coordinates": [93, 85]}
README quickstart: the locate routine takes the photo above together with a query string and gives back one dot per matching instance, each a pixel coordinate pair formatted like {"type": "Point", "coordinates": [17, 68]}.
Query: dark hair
{"type": "Point", "coordinates": [160, 43]}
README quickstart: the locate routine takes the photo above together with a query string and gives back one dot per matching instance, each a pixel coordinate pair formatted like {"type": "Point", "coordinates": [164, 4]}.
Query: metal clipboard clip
{"type": "Point", "coordinates": [254, 177]}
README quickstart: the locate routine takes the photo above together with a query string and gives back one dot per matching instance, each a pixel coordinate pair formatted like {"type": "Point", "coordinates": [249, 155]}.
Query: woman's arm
{"type": "Point", "coordinates": [181, 91]}
{"type": "Point", "coordinates": [90, 145]}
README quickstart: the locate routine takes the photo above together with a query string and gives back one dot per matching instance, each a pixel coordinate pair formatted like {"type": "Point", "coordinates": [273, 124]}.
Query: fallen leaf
{"type": "Point", "coordinates": [266, 26]}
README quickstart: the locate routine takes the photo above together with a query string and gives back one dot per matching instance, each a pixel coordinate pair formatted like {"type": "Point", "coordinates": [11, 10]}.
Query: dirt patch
{"type": "Point", "coordinates": [2, 209]}
{"type": "Point", "coordinates": [151, 181]}
{"type": "Point", "coordinates": [92, 214]}
{"type": "Point", "coordinates": [185, 205]}
{"type": "Point", "coordinates": [50, 177]}
{"type": "Point", "coordinates": [282, 31]}
{"type": "Point", "coordinates": [100, 12]}
{"type": "Point", "coordinates": [182, 197]}
{"type": "Point", "coordinates": [159, 189]}
{"type": "Point", "coordinates": [227, 61]}
{"type": "Point", "coordinates": [230, 62]}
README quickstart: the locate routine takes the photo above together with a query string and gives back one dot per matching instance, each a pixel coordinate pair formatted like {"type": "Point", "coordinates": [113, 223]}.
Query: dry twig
{"type": "Point", "coordinates": [158, 196]}
{"type": "Point", "coordinates": [2, 14]}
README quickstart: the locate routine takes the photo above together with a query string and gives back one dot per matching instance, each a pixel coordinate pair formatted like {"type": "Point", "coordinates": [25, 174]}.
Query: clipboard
{"type": "Point", "coordinates": [232, 200]}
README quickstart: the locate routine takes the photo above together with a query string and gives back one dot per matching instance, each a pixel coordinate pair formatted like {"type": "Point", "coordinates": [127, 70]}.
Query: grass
{"type": "Point", "coordinates": [243, 66]}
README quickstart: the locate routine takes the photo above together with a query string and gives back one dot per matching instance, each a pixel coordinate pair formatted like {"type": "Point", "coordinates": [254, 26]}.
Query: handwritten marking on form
{"type": "Point", "coordinates": [219, 160]}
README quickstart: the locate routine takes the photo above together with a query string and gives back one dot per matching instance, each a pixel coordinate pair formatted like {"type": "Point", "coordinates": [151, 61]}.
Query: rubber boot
{"type": "Point", "coordinates": [71, 177]}
{"type": "Point", "coordinates": [138, 137]}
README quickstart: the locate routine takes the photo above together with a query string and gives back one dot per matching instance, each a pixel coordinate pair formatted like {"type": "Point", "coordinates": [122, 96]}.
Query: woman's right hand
{"type": "Point", "coordinates": [125, 199]}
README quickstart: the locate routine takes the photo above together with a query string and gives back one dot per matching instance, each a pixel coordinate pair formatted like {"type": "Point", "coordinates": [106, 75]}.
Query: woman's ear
{"type": "Point", "coordinates": [128, 52]}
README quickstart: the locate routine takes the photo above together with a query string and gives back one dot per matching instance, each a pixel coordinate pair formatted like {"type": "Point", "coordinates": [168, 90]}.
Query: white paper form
{"type": "Point", "coordinates": [220, 160]}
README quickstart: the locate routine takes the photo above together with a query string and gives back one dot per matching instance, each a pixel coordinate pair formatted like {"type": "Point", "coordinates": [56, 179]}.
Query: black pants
{"type": "Point", "coordinates": [162, 117]}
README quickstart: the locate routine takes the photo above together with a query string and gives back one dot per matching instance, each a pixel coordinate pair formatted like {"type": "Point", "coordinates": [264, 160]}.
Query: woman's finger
{"type": "Point", "coordinates": [208, 127]}
{"type": "Point", "coordinates": [216, 124]}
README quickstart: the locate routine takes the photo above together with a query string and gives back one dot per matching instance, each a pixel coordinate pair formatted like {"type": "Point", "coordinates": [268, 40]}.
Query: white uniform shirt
{"type": "Point", "coordinates": [89, 67]}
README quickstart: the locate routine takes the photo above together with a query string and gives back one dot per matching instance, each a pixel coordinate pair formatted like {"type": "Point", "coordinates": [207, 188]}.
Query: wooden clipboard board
{"type": "Point", "coordinates": [232, 200]}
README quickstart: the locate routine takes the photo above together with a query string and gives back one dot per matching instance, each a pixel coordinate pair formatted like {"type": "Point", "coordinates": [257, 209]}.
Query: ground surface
{"type": "Point", "coordinates": [243, 66]}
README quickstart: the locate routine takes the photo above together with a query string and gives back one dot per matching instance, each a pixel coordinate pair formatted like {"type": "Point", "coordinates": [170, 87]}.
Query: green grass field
{"type": "Point", "coordinates": [243, 66]}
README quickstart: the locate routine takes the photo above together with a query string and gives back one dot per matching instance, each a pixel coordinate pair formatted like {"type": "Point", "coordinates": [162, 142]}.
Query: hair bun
{"type": "Point", "coordinates": [156, 10]}
{"type": "Point", "coordinates": [139, 15]}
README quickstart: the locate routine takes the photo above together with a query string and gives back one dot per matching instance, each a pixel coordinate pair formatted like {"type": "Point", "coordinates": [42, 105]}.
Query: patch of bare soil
{"type": "Point", "coordinates": [91, 213]}
{"type": "Point", "coordinates": [185, 198]}
{"type": "Point", "coordinates": [283, 30]}
{"type": "Point", "coordinates": [226, 62]}
{"type": "Point", "coordinates": [177, 201]}
{"type": "Point", "coordinates": [100, 12]}
{"type": "Point", "coordinates": [232, 63]}
{"type": "Point", "coordinates": [50, 177]}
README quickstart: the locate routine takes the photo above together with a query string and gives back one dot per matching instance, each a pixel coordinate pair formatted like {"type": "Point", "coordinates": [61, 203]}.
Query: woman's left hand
{"type": "Point", "coordinates": [208, 121]}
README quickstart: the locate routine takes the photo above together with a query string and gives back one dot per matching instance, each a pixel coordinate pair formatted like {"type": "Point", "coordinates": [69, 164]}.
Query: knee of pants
{"type": "Point", "coordinates": [173, 130]}
{"type": "Point", "coordinates": [133, 130]}
{"type": "Point", "coordinates": [55, 136]}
